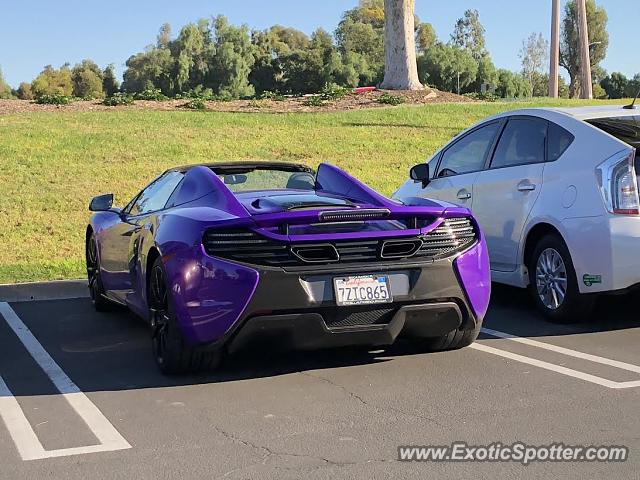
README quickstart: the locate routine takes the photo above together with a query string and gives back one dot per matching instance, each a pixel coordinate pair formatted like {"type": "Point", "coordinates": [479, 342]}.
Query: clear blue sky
{"type": "Point", "coordinates": [39, 32]}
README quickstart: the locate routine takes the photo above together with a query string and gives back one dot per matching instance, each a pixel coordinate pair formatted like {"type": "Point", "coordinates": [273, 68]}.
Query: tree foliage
{"type": "Point", "coordinates": [213, 58]}
{"type": "Point", "coordinates": [24, 91]}
{"type": "Point", "coordinates": [598, 40]}
{"type": "Point", "coordinates": [468, 34]}
{"type": "Point", "coordinates": [446, 66]}
{"type": "Point", "coordinates": [53, 81]}
{"type": "Point", "coordinates": [426, 37]}
{"type": "Point", "coordinates": [87, 80]}
{"type": "Point", "coordinates": [110, 84]}
{"type": "Point", "coordinates": [534, 55]}
{"type": "Point", "coordinates": [5, 89]}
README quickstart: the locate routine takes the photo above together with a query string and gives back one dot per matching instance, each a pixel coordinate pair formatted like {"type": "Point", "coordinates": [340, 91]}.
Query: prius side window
{"type": "Point", "coordinates": [522, 142]}
{"type": "Point", "coordinates": [558, 140]}
{"type": "Point", "coordinates": [469, 153]}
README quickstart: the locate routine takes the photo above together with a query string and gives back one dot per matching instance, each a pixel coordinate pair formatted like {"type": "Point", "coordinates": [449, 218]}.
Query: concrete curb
{"type": "Point", "coordinates": [38, 291]}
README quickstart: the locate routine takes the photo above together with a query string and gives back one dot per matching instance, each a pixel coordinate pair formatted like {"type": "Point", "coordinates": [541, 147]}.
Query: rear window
{"type": "Point", "coordinates": [626, 129]}
{"type": "Point", "coordinates": [268, 179]}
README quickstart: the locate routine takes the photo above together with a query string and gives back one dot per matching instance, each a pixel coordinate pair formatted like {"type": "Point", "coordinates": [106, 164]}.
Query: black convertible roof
{"type": "Point", "coordinates": [226, 168]}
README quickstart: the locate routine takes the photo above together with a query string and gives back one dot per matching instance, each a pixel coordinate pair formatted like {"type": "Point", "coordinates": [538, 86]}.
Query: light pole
{"type": "Point", "coordinates": [554, 58]}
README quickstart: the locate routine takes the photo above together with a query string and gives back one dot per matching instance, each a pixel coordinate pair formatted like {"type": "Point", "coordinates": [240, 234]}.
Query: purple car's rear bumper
{"type": "Point", "coordinates": [219, 302]}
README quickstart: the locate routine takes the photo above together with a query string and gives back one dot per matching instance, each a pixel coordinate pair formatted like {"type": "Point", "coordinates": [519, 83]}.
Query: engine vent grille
{"type": "Point", "coordinates": [454, 235]}
{"type": "Point", "coordinates": [246, 246]}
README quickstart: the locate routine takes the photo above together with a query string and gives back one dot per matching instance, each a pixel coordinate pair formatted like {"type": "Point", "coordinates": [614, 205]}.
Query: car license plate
{"type": "Point", "coordinates": [362, 290]}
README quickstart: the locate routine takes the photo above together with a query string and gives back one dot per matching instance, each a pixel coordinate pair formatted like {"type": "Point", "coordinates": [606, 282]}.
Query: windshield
{"type": "Point", "coordinates": [626, 129]}
{"type": "Point", "coordinates": [267, 179]}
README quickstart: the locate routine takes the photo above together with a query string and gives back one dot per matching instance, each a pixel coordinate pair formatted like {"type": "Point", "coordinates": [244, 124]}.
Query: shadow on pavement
{"type": "Point", "coordinates": [112, 351]}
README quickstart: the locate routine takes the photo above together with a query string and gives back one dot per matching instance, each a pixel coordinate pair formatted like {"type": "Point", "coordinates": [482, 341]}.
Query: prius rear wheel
{"type": "Point", "coordinates": [172, 354]}
{"type": "Point", "coordinates": [553, 283]}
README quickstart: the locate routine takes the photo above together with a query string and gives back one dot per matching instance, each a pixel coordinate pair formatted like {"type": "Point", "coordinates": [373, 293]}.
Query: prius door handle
{"type": "Point", "coordinates": [526, 187]}
{"type": "Point", "coordinates": [464, 195]}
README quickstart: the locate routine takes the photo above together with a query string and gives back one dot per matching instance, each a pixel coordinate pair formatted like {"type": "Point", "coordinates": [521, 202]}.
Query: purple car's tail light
{"type": "Point", "coordinates": [452, 236]}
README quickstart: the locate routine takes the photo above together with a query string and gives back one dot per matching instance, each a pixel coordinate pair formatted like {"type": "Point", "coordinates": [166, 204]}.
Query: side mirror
{"type": "Point", "coordinates": [101, 203]}
{"type": "Point", "coordinates": [420, 173]}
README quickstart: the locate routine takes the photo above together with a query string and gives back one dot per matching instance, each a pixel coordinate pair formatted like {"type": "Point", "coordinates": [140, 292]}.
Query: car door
{"type": "Point", "coordinates": [506, 191]}
{"type": "Point", "coordinates": [122, 241]}
{"type": "Point", "coordinates": [460, 164]}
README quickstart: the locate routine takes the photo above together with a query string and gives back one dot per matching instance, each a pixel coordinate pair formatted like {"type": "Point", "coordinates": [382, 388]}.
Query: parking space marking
{"type": "Point", "coordinates": [21, 432]}
{"type": "Point", "coordinates": [564, 351]}
{"type": "Point", "coordinates": [558, 368]}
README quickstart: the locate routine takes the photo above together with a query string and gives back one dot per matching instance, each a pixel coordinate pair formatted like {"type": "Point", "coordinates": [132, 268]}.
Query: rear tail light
{"type": "Point", "coordinates": [619, 184]}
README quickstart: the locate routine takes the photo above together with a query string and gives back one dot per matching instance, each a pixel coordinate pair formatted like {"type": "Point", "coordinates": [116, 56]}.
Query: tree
{"type": "Point", "coordinates": [633, 87]}
{"type": "Point", "coordinates": [362, 48]}
{"type": "Point", "coordinates": [598, 39]}
{"type": "Point", "coordinates": [615, 85]}
{"type": "Point", "coordinates": [233, 59]}
{"type": "Point", "coordinates": [511, 85]}
{"type": "Point", "coordinates": [289, 39]}
{"type": "Point", "coordinates": [487, 74]}
{"type": "Point", "coordinates": [369, 12]}
{"type": "Point", "coordinates": [110, 83]}
{"type": "Point", "coordinates": [24, 91]}
{"type": "Point", "coordinates": [5, 89]}
{"type": "Point", "coordinates": [152, 68]}
{"type": "Point", "coordinates": [164, 36]}
{"type": "Point", "coordinates": [425, 37]}
{"type": "Point", "coordinates": [193, 53]}
{"type": "Point", "coordinates": [468, 34]}
{"type": "Point", "coordinates": [309, 70]}
{"type": "Point", "coordinates": [400, 66]}
{"type": "Point", "coordinates": [533, 55]}
{"type": "Point", "coordinates": [53, 81]}
{"type": "Point", "coordinates": [87, 80]}
{"type": "Point", "coordinates": [447, 67]}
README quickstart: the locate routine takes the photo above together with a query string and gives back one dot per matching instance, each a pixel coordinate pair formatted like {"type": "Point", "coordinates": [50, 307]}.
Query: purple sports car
{"type": "Point", "coordinates": [217, 256]}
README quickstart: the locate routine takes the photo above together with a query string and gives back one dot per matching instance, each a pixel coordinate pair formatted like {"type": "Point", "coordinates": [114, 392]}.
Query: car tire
{"type": "Point", "coordinates": [172, 354]}
{"type": "Point", "coordinates": [454, 340]}
{"type": "Point", "coordinates": [553, 283]}
{"type": "Point", "coordinates": [96, 289]}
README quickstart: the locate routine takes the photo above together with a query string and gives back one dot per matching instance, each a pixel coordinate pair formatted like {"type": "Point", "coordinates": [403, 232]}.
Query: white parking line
{"type": "Point", "coordinates": [21, 432]}
{"type": "Point", "coordinates": [558, 368]}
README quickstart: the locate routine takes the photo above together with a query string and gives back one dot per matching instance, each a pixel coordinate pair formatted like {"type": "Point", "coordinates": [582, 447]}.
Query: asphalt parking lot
{"type": "Point", "coordinates": [80, 397]}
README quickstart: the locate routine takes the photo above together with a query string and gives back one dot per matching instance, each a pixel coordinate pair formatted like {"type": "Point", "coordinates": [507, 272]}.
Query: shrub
{"type": "Point", "coordinates": [195, 104]}
{"type": "Point", "coordinates": [486, 97]}
{"type": "Point", "coordinates": [197, 93]}
{"type": "Point", "coordinates": [118, 99]}
{"type": "Point", "coordinates": [53, 99]}
{"type": "Point", "coordinates": [331, 91]}
{"type": "Point", "coordinates": [268, 95]}
{"type": "Point", "coordinates": [151, 94]}
{"type": "Point", "coordinates": [389, 99]}
{"type": "Point", "coordinates": [315, 101]}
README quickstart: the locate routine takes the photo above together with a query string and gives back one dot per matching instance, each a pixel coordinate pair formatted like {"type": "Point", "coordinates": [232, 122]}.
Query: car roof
{"type": "Point", "coordinates": [599, 111]}
{"type": "Point", "coordinates": [221, 168]}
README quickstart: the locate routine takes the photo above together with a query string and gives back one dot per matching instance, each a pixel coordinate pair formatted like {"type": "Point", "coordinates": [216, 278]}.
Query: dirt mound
{"type": "Point", "coordinates": [307, 103]}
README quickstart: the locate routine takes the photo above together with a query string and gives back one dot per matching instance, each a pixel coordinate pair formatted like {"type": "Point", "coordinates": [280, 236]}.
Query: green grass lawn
{"type": "Point", "coordinates": [51, 164]}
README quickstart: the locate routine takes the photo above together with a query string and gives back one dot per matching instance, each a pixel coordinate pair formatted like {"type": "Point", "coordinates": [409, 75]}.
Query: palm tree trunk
{"type": "Point", "coordinates": [400, 66]}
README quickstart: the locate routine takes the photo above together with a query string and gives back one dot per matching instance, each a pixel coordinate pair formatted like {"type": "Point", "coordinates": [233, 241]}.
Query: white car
{"type": "Point", "coordinates": [556, 193]}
